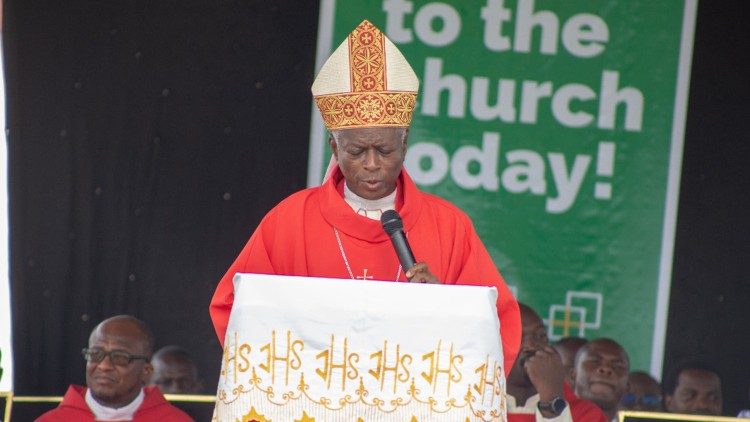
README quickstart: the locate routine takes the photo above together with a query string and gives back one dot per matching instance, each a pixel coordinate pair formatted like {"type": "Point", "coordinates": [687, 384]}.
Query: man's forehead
{"type": "Point", "coordinates": [117, 336]}
{"type": "Point", "coordinates": [699, 377]}
{"type": "Point", "coordinates": [174, 366]}
{"type": "Point", "coordinates": [605, 350]}
{"type": "Point", "coordinates": [175, 370]}
{"type": "Point", "coordinates": [173, 361]}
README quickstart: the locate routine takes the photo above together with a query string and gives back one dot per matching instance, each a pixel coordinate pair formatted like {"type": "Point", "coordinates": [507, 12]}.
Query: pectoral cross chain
{"type": "Point", "coordinates": [364, 275]}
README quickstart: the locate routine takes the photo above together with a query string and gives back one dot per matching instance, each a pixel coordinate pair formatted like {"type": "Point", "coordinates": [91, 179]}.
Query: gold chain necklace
{"type": "Point", "coordinates": [364, 275]}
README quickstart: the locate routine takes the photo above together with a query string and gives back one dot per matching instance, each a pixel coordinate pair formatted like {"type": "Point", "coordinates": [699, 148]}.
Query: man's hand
{"type": "Point", "coordinates": [546, 373]}
{"type": "Point", "coordinates": [420, 273]}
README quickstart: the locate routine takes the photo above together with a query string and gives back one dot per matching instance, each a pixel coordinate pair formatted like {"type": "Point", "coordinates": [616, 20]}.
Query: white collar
{"type": "Point", "coordinates": [370, 208]}
{"type": "Point", "coordinates": [104, 413]}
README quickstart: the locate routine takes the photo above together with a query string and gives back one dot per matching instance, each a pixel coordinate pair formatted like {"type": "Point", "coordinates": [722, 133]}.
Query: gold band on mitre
{"type": "Point", "coordinates": [366, 109]}
{"type": "Point", "coordinates": [366, 82]}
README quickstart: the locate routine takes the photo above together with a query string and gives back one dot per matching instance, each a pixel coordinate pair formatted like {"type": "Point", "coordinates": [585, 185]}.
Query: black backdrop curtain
{"type": "Point", "coordinates": [147, 138]}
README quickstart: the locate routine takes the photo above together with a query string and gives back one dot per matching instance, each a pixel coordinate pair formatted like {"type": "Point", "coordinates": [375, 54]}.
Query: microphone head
{"type": "Point", "coordinates": [391, 222]}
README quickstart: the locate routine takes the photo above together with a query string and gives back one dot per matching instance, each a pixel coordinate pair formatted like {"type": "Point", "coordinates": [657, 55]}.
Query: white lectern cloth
{"type": "Point", "coordinates": [316, 349]}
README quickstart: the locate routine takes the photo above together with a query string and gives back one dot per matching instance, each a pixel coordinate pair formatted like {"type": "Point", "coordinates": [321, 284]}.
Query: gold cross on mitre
{"type": "Point", "coordinates": [364, 275]}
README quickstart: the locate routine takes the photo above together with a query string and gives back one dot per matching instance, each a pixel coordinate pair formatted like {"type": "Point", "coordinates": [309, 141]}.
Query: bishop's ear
{"type": "Point", "coordinates": [333, 145]}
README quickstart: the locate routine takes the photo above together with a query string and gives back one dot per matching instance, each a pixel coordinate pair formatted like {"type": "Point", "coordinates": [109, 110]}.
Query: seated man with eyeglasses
{"type": "Point", "coordinates": [117, 370]}
{"type": "Point", "coordinates": [643, 395]}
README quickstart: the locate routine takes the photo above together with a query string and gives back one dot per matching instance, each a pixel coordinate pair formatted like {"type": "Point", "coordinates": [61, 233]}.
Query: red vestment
{"type": "Point", "coordinates": [155, 407]}
{"type": "Point", "coordinates": [297, 238]}
{"type": "Point", "coordinates": [581, 410]}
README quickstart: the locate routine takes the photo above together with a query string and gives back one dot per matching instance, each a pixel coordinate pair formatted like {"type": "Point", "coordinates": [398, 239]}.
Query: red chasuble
{"type": "Point", "coordinates": [298, 237]}
{"type": "Point", "coordinates": [73, 408]}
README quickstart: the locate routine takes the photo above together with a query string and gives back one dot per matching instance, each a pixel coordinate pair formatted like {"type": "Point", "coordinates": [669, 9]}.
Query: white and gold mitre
{"type": "Point", "coordinates": [366, 82]}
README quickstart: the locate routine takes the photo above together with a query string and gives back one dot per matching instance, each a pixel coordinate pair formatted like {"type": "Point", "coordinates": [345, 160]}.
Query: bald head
{"type": "Point", "coordinates": [133, 327]}
{"type": "Point", "coordinates": [117, 365]}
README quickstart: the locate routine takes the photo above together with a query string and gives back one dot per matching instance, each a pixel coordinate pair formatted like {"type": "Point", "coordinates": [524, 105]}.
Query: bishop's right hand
{"type": "Point", "coordinates": [420, 273]}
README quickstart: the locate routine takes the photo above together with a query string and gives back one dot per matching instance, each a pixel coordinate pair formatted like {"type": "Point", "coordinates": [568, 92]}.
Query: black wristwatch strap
{"type": "Point", "coordinates": [555, 406]}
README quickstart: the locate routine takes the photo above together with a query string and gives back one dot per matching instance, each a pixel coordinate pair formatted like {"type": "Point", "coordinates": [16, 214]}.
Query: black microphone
{"type": "Point", "coordinates": [393, 225]}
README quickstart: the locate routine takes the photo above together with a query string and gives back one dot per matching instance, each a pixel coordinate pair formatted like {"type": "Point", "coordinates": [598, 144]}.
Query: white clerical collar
{"type": "Point", "coordinates": [104, 413]}
{"type": "Point", "coordinates": [370, 208]}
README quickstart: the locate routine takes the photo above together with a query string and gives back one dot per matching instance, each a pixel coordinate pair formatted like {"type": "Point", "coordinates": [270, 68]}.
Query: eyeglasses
{"type": "Point", "coordinates": [646, 400]}
{"type": "Point", "coordinates": [117, 357]}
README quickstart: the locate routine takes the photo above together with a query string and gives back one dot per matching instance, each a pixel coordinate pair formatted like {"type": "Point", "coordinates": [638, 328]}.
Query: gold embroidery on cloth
{"type": "Point", "coordinates": [305, 418]}
{"type": "Point", "coordinates": [367, 59]}
{"type": "Point", "coordinates": [362, 395]}
{"type": "Point", "coordinates": [254, 416]}
{"type": "Point", "coordinates": [367, 109]}
{"type": "Point", "coordinates": [389, 366]}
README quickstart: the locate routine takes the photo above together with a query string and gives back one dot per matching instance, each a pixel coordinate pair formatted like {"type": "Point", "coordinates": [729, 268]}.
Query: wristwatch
{"type": "Point", "coordinates": [555, 406]}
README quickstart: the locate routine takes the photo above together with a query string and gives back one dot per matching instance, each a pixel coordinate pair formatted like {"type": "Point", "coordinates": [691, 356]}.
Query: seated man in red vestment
{"type": "Point", "coordinates": [537, 390]}
{"type": "Point", "coordinates": [117, 369]}
{"type": "Point", "coordinates": [366, 93]}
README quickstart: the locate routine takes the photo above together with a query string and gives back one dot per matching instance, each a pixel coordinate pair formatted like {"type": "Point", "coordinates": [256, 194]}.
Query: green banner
{"type": "Point", "coordinates": [557, 126]}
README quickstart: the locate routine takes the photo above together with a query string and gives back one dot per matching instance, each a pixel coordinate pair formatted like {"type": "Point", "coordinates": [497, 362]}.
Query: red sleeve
{"type": "Point", "coordinates": [582, 410]}
{"type": "Point", "coordinates": [156, 408]}
{"type": "Point", "coordinates": [66, 414]}
{"type": "Point", "coordinates": [72, 408]}
{"type": "Point", "coordinates": [254, 255]}
{"type": "Point", "coordinates": [169, 413]}
{"type": "Point", "coordinates": [477, 268]}
{"type": "Point", "coordinates": [507, 307]}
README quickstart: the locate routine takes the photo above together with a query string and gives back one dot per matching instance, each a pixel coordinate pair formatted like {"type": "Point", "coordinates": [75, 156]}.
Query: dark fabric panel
{"type": "Point", "coordinates": [709, 316]}
{"type": "Point", "coordinates": [146, 141]}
